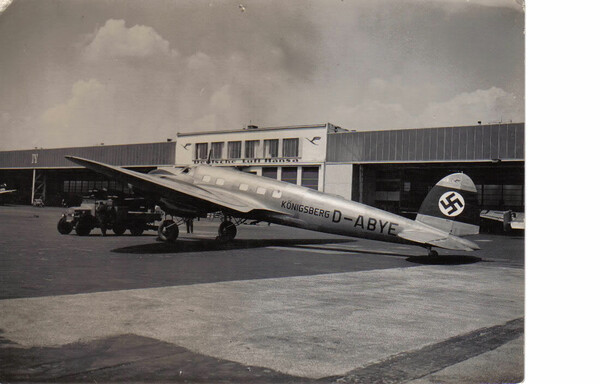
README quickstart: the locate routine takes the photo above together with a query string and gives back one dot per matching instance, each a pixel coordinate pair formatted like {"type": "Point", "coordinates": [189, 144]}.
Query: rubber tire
{"type": "Point", "coordinates": [119, 229]}
{"type": "Point", "coordinates": [227, 231]}
{"type": "Point", "coordinates": [168, 231]}
{"type": "Point", "coordinates": [64, 227]}
{"type": "Point", "coordinates": [136, 230]}
{"type": "Point", "coordinates": [84, 225]}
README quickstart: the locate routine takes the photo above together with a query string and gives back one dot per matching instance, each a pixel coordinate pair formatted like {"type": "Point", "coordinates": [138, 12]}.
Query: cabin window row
{"type": "Point", "coordinates": [243, 187]}
{"type": "Point", "coordinates": [251, 149]}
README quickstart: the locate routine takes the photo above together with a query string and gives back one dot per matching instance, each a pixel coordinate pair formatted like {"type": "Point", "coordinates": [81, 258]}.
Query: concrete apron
{"type": "Point", "coordinates": [314, 326]}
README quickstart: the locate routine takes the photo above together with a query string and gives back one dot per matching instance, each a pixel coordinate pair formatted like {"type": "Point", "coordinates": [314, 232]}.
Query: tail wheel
{"type": "Point", "coordinates": [64, 227]}
{"type": "Point", "coordinates": [168, 231]}
{"type": "Point", "coordinates": [227, 231]}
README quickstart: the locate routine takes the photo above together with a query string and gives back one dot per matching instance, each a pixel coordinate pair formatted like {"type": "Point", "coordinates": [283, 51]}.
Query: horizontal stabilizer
{"type": "Point", "coordinates": [438, 239]}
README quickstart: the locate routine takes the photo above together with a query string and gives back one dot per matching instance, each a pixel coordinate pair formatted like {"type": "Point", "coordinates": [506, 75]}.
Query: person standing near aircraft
{"type": "Point", "coordinates": [102, 216]}
{"type": "Point", "coordinates": [189, 225]}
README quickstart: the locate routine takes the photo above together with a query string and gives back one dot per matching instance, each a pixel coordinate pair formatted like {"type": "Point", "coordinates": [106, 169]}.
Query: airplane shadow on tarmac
{"type": "Point", "coordinates": [207, 245]}
{"type": "Point", "coordinates": [444, 260]}
{"type": "Point", "coordinates": [425, 260]}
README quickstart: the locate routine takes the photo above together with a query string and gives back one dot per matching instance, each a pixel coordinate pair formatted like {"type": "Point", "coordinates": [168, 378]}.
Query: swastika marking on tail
{"type": "Point", "coordinates": [451, 203]}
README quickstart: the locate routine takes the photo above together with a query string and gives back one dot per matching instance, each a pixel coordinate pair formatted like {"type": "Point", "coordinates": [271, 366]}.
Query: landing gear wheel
{"type": "Point", "coordinates": [432, 253]}
{"type": "Point", "coordinates": [119, 229]}
{"type": "Point", "coordinates": [227, 231]}
{"type": "Point", "coordinates": [64, 227]}
{"type": "Point", "coordinates": [168, 231]}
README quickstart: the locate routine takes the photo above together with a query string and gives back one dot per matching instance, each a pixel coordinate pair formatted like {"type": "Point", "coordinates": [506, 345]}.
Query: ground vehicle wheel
{"type": "Point", "coordinates": [168, 231]}
{"type": "Point", "coordinates": [119, 229]}
{"type": "Point", "coordinates": [84, 226]}
{"type": "Point", "coordinates": [136, 230]}
{"type": "Point", "coordinates": [64, 227]}
{"type": "Point", "coordinates": [227, 231]}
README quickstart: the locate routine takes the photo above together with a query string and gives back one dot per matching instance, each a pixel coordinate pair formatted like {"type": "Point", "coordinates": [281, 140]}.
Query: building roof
{"type": "Point", "coordinates": [147, 154]}
{"type": "Point", "coordinates": [252, 128]}
{"type": "Point", "coordinates": [490, 142]}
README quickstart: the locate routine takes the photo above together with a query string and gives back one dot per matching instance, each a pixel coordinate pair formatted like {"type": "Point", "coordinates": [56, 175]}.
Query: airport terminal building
{"type": "Point", "coordinates": [389, 169]}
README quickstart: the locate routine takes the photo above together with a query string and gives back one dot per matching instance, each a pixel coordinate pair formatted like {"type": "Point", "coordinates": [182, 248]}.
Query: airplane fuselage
{"type": "Point", "coordinates": [301, 207]}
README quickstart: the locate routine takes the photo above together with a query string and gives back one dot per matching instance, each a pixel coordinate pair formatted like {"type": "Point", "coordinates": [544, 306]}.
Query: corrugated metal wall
{"type": "Point", "coordinates": [124, 155]}
{"type": "Point", "coordinates": [470, 143]}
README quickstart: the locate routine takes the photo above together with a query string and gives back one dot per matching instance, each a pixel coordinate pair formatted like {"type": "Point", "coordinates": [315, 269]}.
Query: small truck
{"type": "Point", "coordinates": [123, 214]}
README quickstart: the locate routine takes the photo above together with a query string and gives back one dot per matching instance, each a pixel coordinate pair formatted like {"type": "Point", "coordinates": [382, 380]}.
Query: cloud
{"type": "Point", "coordinates": [5, 117]}
{"type": "Point", "coordinates": [115, 41]}
{"type": "Point", "coordinates": [513, 4]}
{"type": "Point", "coordinates": [490, 105]}
{"type": "Point", "coordinates": [87, 113]}
{"type": "Point", "coordinates": [385, 66]}
{"type": "Point", "coordinates": [4, 4]}
{"type": "Point", "coordinates": [200, 62]}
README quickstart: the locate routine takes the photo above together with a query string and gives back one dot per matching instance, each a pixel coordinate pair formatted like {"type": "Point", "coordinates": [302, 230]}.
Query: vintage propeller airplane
{"type": "Point", "coordinates": [448, 212]}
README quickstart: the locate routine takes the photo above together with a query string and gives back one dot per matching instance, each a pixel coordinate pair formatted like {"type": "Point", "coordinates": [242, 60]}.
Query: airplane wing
{"type": "Point", "coordinates": [7, 191]}
{"type": "Point", "coordinates": [516, 220]}
{"type": "Point", "coordinates": [493, 215]}
{"type": "Point", "coordinates": [441, 240]}
{"type": "Point", "coordinates": [165, 185]}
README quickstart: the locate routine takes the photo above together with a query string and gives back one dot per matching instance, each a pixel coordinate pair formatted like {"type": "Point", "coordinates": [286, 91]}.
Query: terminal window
{"type": "Point", "coordinates": [83, 187]}
{"type": "Point", "coordinates": [234, 149]}
{"type": "Point", "coordinates": [289, 174]}
{"type": "Point", "coordinates": [290, 147]}
{"type": "Point", "coordinates": [498, 196]}
{"type": "Point", "coordinates": [271, 173]}
{"type": "Point", "coordinates": [271, 148]}
{"type": "Point", "coordinates": [310, 177]}
{"type": "Point", "coordinates": [251, 147]}
{"type": "Point", "coordinates": [202, 151]}
{"type": "Point", "coordinates": [217, 150]}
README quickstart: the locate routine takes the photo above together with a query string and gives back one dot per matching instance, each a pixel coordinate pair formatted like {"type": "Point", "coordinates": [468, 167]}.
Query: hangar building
{"type": "Point", "coordinates": [46, 174]}
{"type": "Point", "coordinates": [391, 169]}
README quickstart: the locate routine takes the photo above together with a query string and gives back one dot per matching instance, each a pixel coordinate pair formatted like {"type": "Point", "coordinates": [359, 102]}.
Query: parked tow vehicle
{"type": "Point", "coordinates": [123, 214]}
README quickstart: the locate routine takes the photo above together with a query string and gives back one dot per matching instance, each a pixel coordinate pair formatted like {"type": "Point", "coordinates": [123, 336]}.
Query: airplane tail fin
{"type": "Point", "coordinates": [451, 206]}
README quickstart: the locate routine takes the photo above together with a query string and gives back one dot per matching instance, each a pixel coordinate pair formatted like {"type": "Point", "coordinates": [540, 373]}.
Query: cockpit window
{"type": "Point", "coordinates": [186, 170]}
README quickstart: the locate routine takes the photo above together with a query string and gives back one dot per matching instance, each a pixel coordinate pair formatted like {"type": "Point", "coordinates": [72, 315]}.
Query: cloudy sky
{"type": "Point", "coordinates": [84, 72]}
